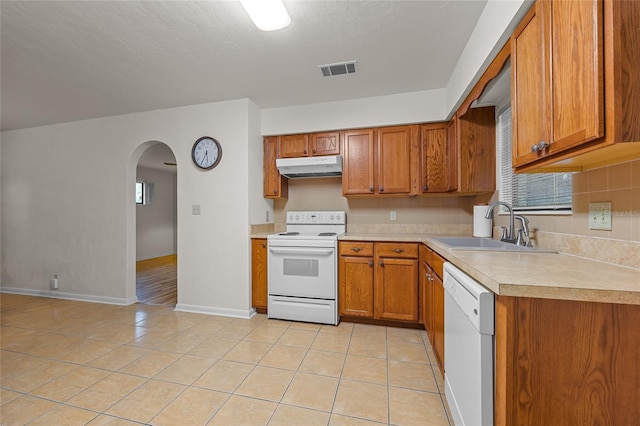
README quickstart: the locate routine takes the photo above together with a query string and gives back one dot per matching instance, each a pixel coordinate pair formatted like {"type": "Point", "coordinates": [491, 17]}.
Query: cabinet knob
{"type": "Point", "coordinates": [425, 188]}
{"type": "Point", "coordinates": [264, 245]}
{"type": "Point", "coordinates": [396, 250]}
{"type": "Point", "coordinates": [275, 191]}
{"type": "Point", "coordinates": [371, 189]}
{"type": "Point", "coordinates": [381, 189]}
{"type": "Point", "coordinates": [381, 263]}
{"type": "Point", "coordinates": [305, 152]}
{"type": "Point", "coordinates": [543, 145]}
{"type": "Point", "coordinates": [371, 263]}
{"type": "Point", "coordinates": [356, 249]}
{"type": "Point", "coordinates": [314, 151]}
{"type": "Point", "coordinates": [534, 147]}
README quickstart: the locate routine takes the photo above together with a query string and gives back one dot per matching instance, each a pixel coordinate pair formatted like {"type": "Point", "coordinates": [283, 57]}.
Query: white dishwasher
{"type": "Point", "coordinates": [468, 348]}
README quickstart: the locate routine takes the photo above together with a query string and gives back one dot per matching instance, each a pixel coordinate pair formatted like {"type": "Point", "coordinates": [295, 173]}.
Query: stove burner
{"type": "Point", "coordinates": [326, 234]}
{"type": "Point", "coordinates": [289, 233]}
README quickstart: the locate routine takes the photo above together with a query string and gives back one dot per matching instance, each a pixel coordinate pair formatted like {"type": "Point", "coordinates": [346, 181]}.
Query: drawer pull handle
{"type": "Point", "coordinates": [356, 249]}
{"type": "Point", "coordinates": [398, 250]}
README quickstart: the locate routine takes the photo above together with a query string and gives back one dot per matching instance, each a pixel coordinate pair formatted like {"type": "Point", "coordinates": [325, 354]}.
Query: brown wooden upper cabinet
{"type": "Point", "coordinates": [438, 165]}
{"type": "Point", "coordinates": [377, 161]}
{"type": "Point", "coordinates": [572, 60]}
{"type": "Point", "coordinates": [306, 145]}
{"type": "Point", "coordinates": [275, 186]}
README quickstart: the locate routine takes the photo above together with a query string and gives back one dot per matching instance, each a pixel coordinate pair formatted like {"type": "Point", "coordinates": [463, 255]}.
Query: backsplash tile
{"type": "Point", "coordinates": [619, 184]}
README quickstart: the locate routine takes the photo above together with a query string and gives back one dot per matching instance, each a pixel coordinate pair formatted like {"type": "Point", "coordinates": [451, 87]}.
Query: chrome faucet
{"type": "Point", "coordinates": [520, 240]}
{"type": "Point", "coordinates": [510, 237]}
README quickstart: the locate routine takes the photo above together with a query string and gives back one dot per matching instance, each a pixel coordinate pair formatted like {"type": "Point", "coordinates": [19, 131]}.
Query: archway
{"type": "Point", "coordinates": [152, 225]}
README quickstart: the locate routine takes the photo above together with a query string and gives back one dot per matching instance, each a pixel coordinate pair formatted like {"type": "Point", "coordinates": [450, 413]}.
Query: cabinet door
{"type": "Point", "coordinates": [355, 292]}
{"type": "Point", "coordinates": [437, 172]}
{"type": "Point", "coordinates": [577, 72]}
{"type": "Point", "coordinates": [393, 160]}
{"type": "Point", "coordinates": [530, 76]}
{"type": "Point", "coordinates": [275, 186]}
{"type": "Point", "coordinates": [259, 273]}
{"type": "Point", "coordinates": [357, 169]}
{"type": "Point", "coordinates": [294, 146]}
{"type": "Point", "coordinates": [438, 319]}
{"type": "Point", "coordinates": [396, 287]}
{"type": "Point", "coordinates": [325, 143]}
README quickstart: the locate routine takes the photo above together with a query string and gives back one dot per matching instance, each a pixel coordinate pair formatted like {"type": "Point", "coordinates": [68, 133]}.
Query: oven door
{"type": "Point", "coordinates": [302, 271]}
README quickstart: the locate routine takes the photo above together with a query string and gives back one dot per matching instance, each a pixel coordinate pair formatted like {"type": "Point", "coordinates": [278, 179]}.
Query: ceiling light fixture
{"type": "Point", "coordinates": [267, 15]}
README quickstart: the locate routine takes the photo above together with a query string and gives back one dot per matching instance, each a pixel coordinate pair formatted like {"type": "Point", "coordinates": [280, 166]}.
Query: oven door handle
{"type": "Point", "coordinates": [301, 250]}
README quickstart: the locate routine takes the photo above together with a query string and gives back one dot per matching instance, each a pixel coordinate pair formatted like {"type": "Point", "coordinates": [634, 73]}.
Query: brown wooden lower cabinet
{"type": "Point", "coordinates": [259, 274]}
{"type": "Point", "coordinates": [378, 280]}
{"type": "Point", "coordinates": [561, 362]}
{"type": "Point", "coordinates": [433, 301]}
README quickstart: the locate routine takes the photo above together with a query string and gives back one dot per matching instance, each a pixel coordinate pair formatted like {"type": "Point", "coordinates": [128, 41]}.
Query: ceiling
{"type": "Point", "coordinates": [64, 61]}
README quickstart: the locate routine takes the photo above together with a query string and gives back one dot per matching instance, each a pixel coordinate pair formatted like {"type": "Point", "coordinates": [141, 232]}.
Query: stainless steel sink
{"type": "Point", "coordinates": [486, 244]}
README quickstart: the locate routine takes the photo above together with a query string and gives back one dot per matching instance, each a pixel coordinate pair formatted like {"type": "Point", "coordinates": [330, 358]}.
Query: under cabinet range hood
{"type": "Point", "coordinates": [310, 167]}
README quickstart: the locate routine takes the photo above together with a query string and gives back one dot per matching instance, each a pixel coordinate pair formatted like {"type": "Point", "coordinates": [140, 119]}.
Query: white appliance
{"type": "Point", "coordinates": [302, 278]}
{"type": "Point", "coordinates": [468, 348]}
{"type": "Point", "coordinates": [306, 167]}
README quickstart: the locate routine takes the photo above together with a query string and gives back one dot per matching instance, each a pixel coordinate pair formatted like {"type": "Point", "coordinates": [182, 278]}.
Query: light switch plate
{"type": "Point", "coordinates": [600, 216]}
{"type": "Point", "coordinates": [195, 209]}
{"type": "Point", "coordinates": [392, 215]}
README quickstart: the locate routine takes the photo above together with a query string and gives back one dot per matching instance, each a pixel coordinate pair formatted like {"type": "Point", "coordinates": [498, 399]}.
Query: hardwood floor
{"type": "Point", "coordinates": [156, 281]}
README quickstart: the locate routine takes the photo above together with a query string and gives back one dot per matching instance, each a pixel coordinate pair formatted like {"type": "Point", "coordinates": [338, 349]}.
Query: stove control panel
{"type": "Point", "coordinates": [316, 217]}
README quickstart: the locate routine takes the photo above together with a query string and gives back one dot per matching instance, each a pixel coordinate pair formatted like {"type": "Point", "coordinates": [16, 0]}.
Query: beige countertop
{"type": "Point", "coordinates": [538, 275]}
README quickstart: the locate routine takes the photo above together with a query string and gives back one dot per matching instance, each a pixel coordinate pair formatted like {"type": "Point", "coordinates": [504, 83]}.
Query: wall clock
{"type": "Point", "coordinates": [206, 153]}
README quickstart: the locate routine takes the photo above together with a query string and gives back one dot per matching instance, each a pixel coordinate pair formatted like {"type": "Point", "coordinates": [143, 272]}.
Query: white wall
{"type": "Point", "coordinates": [259, 206]}
{"type": "Point", "coordinates": [68, 206]}
{"type": "Point", "coordinates": [156, 220]}
{"type": "Point", "coordinates": [414, 107]}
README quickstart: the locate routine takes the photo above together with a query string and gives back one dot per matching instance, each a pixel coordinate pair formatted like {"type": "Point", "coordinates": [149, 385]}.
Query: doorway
{"type": "Point", "coordinates": [156, 226]}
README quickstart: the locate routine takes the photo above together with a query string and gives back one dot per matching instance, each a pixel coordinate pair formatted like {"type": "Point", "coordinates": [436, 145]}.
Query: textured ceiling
{"type": "Point", "coordinates": [71, 60]}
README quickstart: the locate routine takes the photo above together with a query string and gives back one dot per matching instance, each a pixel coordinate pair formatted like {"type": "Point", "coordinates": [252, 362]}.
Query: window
{"type": "Point", "coordinates": [139, 192]}
{"type": "Point", "coordinates": [532, 192]}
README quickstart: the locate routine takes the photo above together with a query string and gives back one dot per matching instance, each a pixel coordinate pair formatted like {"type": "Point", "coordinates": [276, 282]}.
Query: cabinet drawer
{"type": "Point", "coordinates": [403, 250]}
{"type": "Point", "coordinates": [437, 263]}
{"type": "Point", "coordinates": [356, 248]}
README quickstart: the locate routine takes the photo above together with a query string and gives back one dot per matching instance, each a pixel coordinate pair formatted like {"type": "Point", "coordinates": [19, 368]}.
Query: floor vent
{"type": "Point", "coordinates": [329, 70]}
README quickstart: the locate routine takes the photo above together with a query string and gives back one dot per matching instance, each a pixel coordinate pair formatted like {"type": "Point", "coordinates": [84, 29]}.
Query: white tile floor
{"type": "Point", "coordinates": [66, 362]}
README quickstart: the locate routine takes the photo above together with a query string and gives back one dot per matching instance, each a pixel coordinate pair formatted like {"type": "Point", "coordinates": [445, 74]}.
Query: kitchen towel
{"type": "Point", "coordinates": [481, 225]}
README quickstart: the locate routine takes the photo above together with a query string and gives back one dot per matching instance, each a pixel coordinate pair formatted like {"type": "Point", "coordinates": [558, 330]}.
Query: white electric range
{"type": "Point", "coordinates": [303, 267]}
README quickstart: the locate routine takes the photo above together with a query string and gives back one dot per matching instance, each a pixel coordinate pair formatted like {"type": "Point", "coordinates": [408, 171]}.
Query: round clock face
{"type": "Point", "coordinates": [206, 153]}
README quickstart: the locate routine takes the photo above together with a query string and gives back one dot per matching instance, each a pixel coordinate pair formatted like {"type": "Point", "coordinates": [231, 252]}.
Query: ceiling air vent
{"type": "Point", "coordinates": [329, 70]}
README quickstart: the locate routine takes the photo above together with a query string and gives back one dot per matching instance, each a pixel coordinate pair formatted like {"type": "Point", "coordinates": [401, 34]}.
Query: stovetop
{"type": "Point", "coordinates": [313, 225]}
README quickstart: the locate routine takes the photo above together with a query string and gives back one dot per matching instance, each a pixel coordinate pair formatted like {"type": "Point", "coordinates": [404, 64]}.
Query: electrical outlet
{"type": "Point", "coordinates": [267, 215]}
{"type": "Point", "coordinates": [392, 215]}
{"type": "Point", "coordinates": [600, 216]}
{"type": "Point", "coordinates": [195, 209]}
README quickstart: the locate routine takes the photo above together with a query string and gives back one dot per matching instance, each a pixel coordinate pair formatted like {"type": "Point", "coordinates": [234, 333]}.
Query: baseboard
{"type": "Point", "coordinates": [70, 296]}
{"type": "Point", "coordinates": [223, 312]}
{"type": "Point", "coordinates": [156, 256]}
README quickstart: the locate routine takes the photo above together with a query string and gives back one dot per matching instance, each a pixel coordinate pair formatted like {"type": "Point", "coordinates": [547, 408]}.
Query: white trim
{"type": "Point", "coordinates": [223, 312]}
{"type": "Point", "coordinates": [71, 296]}
{"type": "Point", "coordinates": [170, 253]}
